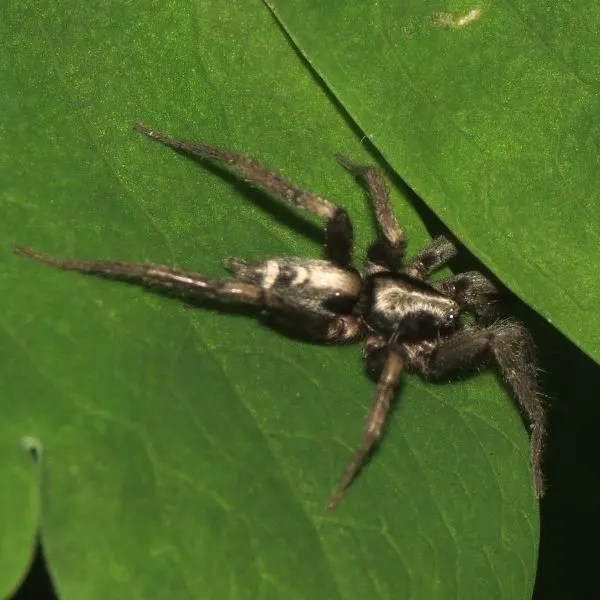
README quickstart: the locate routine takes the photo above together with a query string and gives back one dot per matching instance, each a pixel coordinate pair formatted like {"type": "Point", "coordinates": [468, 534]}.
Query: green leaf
{"type": "Point", "coordinates": [189, 452]}
{"type": "Point", "coordinates": [490, 112]}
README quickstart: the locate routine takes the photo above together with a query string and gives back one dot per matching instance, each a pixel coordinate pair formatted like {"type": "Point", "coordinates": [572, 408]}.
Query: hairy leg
{"type": "Point", "coordinates": [386, 252]}
{"type": "Point", "coordinates": [316, 328]}
{"type": "Point", "coordinates": [473, 291]}
{"type": "Point", "coordinates": [434, 256]}
{"type": "Point", "coordinates": [305, 324]}
{"type": "Point", "coordinates": [338, 230]}
{"type": "Point", "coordinates": [388, 382]}
{"type": "Point", "coordinates": [150, 274]}
{"type": "Point", "coordinates": [510, 344]}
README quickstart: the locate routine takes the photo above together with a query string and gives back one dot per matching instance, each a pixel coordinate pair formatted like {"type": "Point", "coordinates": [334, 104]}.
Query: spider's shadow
{"type": "Point", "coordinates": [283, 213]}
{"type": "Point", "coordinates": [283, 327]}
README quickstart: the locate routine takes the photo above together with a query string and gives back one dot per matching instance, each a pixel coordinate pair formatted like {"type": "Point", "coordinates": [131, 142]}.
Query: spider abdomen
{"type": "Point", "coordinates": [318, 286]}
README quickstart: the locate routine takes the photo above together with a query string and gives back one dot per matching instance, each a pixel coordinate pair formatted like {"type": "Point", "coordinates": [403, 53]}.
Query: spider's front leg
{"type": "Point", "coordinates": [510, 344]}
{"type": "Point", "coordinates": [473, 291]}
{"type": "Point", "coordinates": [338, 230]}
{"type": "Point", "coordinates": [433, 257]}
{"type": "Point", "coordinates": [390, 356]}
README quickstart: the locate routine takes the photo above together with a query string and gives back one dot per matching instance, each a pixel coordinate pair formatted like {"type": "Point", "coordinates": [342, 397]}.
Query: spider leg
{"type": "Point", "coordinates": [386, 252]}
{"type": "Point", "coordinates": [512, 347]}
{"type": "Point", "coordinates": [434, 256]}
{"type": "Point", "coordinates": [338, 230]}
{"type": "Point", "coordinates": [157, 274]}
{"type": "Point", "coordinates": [303, 323]}
{"type": "Point", "coordinates": [472, 290]}
{"type": "Point", "coordinates": [388, 381]}
{"type": "Point", "coordinates": [315, 327]}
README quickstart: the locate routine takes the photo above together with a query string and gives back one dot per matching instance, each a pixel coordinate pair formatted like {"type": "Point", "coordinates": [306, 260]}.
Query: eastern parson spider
{"type": "Point", "coordinates": [406, 324]}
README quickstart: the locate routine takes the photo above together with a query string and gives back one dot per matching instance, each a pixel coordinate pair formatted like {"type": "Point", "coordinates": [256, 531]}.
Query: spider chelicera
{"type": "Point", "coordinates": [406, 323]}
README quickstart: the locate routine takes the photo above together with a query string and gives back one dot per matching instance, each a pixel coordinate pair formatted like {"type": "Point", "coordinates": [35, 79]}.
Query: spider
{"type": "Point", "coordinates": [406, 323]}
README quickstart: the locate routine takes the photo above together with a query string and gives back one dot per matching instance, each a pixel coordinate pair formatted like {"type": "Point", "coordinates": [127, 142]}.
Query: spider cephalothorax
{"type": "Point", "coordinates": [406, 323]}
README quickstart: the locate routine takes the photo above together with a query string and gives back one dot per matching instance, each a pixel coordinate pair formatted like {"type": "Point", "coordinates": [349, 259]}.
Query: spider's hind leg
{"type": "Point", "coordinates": [338, 230]}
{"type": "Point", "coordinates": [509, 343]}
{"type": "Point", "coordinates": [265, 284]}
{"type": "Point", "coordinates": [151, 274]}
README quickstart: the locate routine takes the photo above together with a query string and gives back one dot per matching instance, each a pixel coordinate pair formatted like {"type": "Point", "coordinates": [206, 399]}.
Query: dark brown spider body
{"type": "Point", "coordinates": [315, 286]}
{"type": "Point", "coordinates": [406, 308]}
{"type": "Point", "coordinates": [406, 323]}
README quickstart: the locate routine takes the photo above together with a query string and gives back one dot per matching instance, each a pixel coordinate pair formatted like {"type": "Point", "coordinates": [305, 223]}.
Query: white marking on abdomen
{"type": "Point", "coordinates": [328, 278]}
{"type": "Point", "coordinates": [302, 276]}
{"type": "Point", "coordinates": [270, 275]}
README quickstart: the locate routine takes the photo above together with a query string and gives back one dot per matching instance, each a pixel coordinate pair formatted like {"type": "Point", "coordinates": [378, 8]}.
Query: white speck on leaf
{"type": "Point", "coordinates": [446, 20]}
